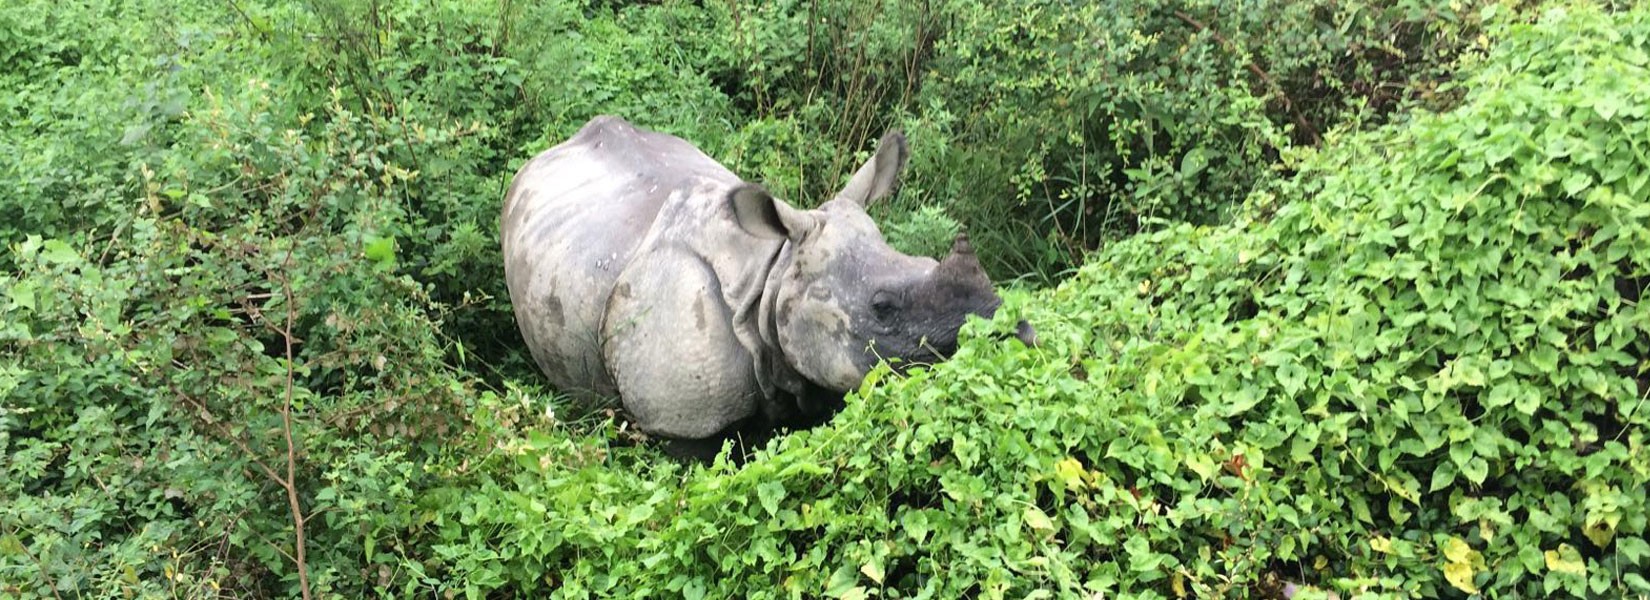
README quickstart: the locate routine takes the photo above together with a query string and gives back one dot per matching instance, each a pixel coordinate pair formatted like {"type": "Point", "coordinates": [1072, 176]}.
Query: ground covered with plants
{"type": "Point", "coordinates": [1333, 297]}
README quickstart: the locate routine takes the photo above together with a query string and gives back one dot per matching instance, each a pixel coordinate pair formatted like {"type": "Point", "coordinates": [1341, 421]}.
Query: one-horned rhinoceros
{"type": "Point", "coordinates": [638, 266]}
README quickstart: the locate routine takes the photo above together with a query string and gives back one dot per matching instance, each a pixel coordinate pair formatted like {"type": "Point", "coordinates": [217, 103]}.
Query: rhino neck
{"type": "Point", "coordinates": [773, 367]}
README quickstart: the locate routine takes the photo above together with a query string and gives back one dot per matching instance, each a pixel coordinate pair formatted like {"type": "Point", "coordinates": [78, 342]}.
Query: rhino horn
{"type": "Point", "coordinates": [961, 266]}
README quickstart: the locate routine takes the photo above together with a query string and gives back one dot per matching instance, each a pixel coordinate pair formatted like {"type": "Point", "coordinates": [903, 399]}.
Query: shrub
{"type": "Point", "coordinates": [1419, 371]}
{"type": "Point", "coordinates": [1049, 128]}
{"type": "Point", "coordinates": [237, 363]}
{"type": "Point", "coordinates": [251, 290]}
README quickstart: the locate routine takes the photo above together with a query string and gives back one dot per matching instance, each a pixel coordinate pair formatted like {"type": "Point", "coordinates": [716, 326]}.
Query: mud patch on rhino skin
{"type": "Point", "coordinates": [553, 311]}
{"type": "Point", "coordinates": [699, 313]}
{"type": "Point", "coordinates": [622, 291]}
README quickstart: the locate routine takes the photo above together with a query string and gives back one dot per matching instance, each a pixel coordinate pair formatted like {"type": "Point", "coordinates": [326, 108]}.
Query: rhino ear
{"type": "Point", "coordinates": [764, 216]}
{"type": "Point", "coordinates": [877, 177]}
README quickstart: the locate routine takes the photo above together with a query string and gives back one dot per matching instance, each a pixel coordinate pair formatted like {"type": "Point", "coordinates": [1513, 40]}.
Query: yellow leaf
{"type": "Point", "coordinates": [1457, 550]}
{"type": "Point", "coordinates": [1320, 563]}
{"type": "Point", "coordinates": [873, 570]}
{"type": "Point", "coordinates": [1600, 530]}
{"type": "Point", "coordinates": [1460, 575]}
{"type": "Point", "coordinates": [1200, 464]}
{"type": "Point", "coordinates": [1565, 560]}
{"type": "Point", "coordinates": [1408, 490]}
{"type": "Point", "coordinates": [1179, 585]}
{"type": "Point", "coordinates": [1381, 544]}
{"type": "Point", "coordinates": [1071, 472]}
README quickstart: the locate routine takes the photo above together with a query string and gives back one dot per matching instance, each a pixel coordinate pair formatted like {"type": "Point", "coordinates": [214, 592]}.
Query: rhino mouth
{"type": "Point", "coordinates": [931, 351]}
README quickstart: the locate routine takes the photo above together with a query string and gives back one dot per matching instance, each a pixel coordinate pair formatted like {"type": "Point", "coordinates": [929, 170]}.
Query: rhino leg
{"type": "Point", "coordinates": [670, 346]}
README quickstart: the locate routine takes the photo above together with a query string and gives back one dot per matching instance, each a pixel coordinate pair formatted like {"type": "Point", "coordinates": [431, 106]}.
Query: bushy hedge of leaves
{"type": "Point", "coordinates": [251, 286]}
{"type": "Point", "coordinates": [1049, 128]}
{"type": "Point", "coordinates": [1419, 371]}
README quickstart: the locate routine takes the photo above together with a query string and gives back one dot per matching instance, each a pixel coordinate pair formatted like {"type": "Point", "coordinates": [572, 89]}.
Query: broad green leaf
{"type": "Point", "coordinates": [1530, 557]}
{"type": "Point", "coordinates": [1501, 394]}
{"type": "Point", "coordinates": [379, 250]}
{"type": "Point", "coordinates": [1607, 106]}
{"type": "Point", "coordinates": [22, 293]}
{"type": "Point", "coordinates": [58, 252]}
{"type": "Point", "coordinates": [1577, 183]}
{"type": "Point", "coordinates": [916, 525]}
{"type": "Point", "coordinates": [842, 582]}
{"type": "Point", "coordinates": [1475, 469]}
{"type": "Point", "coordinates": [769, 493]}
{"type": "Point", "coordinates": [1036, 519]}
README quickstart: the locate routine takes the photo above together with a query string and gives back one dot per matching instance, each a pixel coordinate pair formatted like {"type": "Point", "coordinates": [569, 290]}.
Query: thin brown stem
{"type": "Point", "coordinates": [46, 578]}
{"type": "Point", "coordinates": [291, 483]}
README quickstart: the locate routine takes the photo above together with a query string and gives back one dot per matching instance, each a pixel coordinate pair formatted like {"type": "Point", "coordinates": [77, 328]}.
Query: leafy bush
{"type": "Point", "coordinates": [1420, 371]}
{"type": "Point", "coordinates": [230, 359]}
{"type": "Point", "coordinates": [251, 288]}
{"type": "Point", "coordinates": [1049, 128]}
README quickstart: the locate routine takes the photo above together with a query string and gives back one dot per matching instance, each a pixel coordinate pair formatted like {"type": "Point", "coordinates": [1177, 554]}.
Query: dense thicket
{"type": "Point", "coordinates": [1416, 371]}
{"type": "Point", "coordinates": [250, 314]}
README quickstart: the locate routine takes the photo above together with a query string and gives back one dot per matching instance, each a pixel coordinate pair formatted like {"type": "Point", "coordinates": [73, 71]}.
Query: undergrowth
{"type": "Point", "coordinates": [252, 341]}
{"type": "Point", "coordinates": [1419, 370]}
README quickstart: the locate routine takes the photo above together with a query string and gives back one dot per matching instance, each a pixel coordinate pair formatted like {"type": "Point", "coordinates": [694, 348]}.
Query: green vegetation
{"type": "Point", "coordinates": [1365, 313]}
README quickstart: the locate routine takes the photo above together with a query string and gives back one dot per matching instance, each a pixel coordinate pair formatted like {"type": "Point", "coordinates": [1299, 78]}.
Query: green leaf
{"type": "Point", "coordinates": [1241, 401]}
{"type": "Point", "coordinates": [1632, 548]}
{"type": "Point", "coordinates": [1443, 475]}
{"type": "Point", "coordinates": [694, 590]}
{"type": "Point", "coordinates": [58, 252]}
{"type": "Point", "coordinates": [1292, 376]}
{"type": "Point", "coordinates": [22, 293]}
{"type": "Point", "coordinates": [1475, 469]}
{"type": "Point", "coordinates": [1501, 394]}
{"type": "Point", "coordinates": [916, 525]}
{"type": "Point", "coordinates": [1036, 519]}
{"type": "Point", "coordinates": [1545, 358]}
{"type": "Point", "coordinates": [1528, 402]}
{"type": "Point", "coordinates": [842, 581]}
{"type": "Point", "coordinates": [1607, 105]}
{"type": "Point", "coordinates": [769, 493]}
{"type": "Point", "coordinates": [1529, 555]}
{"type": "Point", "coordinates": [380, 250]}
{"type": "Point", "coordinates": [1635, 582]}
{"type": "Point", "coordinates": [1577, 182]}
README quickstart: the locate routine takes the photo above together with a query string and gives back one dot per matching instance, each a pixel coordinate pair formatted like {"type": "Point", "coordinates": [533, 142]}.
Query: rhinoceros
{"type": "Point", "coordinates": [640, 268]}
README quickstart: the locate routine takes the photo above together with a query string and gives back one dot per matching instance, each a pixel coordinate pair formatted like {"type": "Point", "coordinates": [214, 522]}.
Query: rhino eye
{"type": "Point", "coordinates": [885, 305]}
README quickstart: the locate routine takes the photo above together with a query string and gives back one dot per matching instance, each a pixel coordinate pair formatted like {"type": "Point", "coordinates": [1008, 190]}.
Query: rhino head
{"type": "Point", "coordinates": [840, 298]}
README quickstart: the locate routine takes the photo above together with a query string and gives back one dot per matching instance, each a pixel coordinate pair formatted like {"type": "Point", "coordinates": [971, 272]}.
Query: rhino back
{"type": "Point", "coordinates": [573, 219]}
